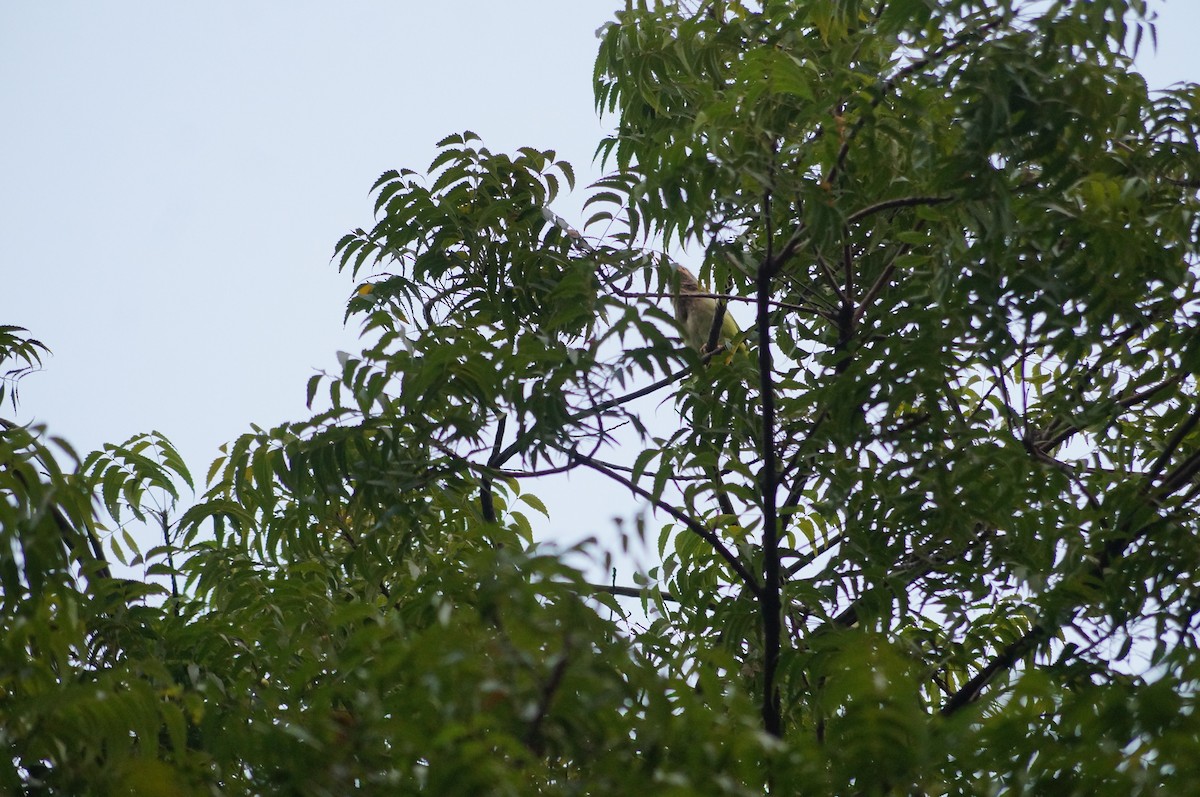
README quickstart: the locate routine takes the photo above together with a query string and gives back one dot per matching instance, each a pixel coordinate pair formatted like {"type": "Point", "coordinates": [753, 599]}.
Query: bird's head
{"type": "Point", "coordinates": [687, 281]}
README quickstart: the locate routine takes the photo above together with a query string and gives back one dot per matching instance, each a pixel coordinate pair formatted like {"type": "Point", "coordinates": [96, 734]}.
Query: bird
{"type": "Point", "coordinates": [695, 313]}
{"type": "Point", "coordinates": [693, 310]}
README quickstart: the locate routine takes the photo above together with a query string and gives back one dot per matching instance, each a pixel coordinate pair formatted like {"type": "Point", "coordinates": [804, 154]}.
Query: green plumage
{"type": "Point", "coordinates": [695, 313]}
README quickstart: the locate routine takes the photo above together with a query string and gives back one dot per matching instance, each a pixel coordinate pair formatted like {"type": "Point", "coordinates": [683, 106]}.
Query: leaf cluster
{"type": "Point", "coordinates": [931, 527]}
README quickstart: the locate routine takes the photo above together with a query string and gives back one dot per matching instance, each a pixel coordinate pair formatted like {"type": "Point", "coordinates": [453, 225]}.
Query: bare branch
{"type": "Point", "coordinates": [899, 202]}
{"type": "Point", "coordinates": [630, 592]}
{"type": "Point", "coordinates": [690, 523]}
{"type": "Point", "coordinates": [768, 480]}
{"type": "Point", "coordinates": [71, 536]}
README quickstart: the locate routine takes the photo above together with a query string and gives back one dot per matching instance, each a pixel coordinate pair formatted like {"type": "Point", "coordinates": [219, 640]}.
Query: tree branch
{"type": "Point", "coordinates": [877, 287]}
{"type": "Point", "coordinates": [770, 597]}
{"type": "Point", "coordinates": [1016, 650]}
{"type": "Point", "coordinates": [714, 332]}
{"type": "Point", "coordinates": [908, 572]}
{"type": "Point", "coordinates": [523, 439]}
{"type": "Point", "coordinates": [1172, 444]}
{"type": "Point", "coordinates": [630, 592]}
{"type": "Point", "coordinates": [71, 536]}
{"type": "Point", "coordinates": [487, 506]}
{"type": "Point", "coordinates": [899, 202]}
{"type": "Point", "coordinates": [733, 297]}
{"type": "Point", "coordinates": [533, 736]}
{"type": "Point", "coordinates": [888, 85]}
{"type": "Point", "coordinates": [692, 525]}
{"type": "Point", "coordinates": [1100, 569]}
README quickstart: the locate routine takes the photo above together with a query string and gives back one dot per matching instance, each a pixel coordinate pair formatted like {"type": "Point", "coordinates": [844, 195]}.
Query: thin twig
{"type": "Point", "coordinates": [690, 523]}
{"type": "Point", "coordinates": [71, 536]}
{"type": "Point", "coordinates": [630, 592]}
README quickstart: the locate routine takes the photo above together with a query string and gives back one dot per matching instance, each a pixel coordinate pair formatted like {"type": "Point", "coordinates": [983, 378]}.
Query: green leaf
{"type": "Point", "coordinates": [535, 502]}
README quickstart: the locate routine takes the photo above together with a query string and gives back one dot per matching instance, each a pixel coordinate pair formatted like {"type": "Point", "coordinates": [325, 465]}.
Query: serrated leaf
{"type": "Point", "coordinates": [535, 502]}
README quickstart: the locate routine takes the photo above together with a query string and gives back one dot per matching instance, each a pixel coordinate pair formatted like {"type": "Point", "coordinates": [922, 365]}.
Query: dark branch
{"type": "Point", "coordinates": [887, 86]}
{"type": "Point", "coordinates": [523, 439]}
{"type": "Point", "coordinates": [487, 504]}
{"type": "Point", "coordinates": [900, 202]}
{"type": "Point", "coordinates": [769, 480]}
{"type": "Point", "coordinates": [630, 592]}
{"type": "Point", "coordinates": [533, 737]}
{"type": "Point", "coordinates": [1015, 651]}
{"type": "Point", "coordinates": [1101, 568]}
{"type": "Point", "coordinates": [690, 523]}
{"type": "Point", "coordinates": [877, 287]}
{"type": "Point", "coordinates": [71, 536]}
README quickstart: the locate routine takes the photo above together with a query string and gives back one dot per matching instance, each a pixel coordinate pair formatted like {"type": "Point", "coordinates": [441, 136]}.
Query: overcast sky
{"type": "Point", "coordinates": [173, 177]}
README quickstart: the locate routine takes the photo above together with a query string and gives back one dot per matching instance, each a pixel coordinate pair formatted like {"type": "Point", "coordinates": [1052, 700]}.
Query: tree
{"type": "Point", "coordinates": [935, 533]}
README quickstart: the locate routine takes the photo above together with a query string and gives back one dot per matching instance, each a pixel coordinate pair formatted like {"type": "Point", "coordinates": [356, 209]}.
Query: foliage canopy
{"type": "Point", "coordinates": [936, 532]}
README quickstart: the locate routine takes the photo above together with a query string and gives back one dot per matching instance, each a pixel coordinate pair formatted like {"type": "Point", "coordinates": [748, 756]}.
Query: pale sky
{"type": "Point", "coordinates": [173, 178]}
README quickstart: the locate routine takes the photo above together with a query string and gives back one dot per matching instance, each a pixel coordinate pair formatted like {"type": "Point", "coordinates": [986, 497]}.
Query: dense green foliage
{"type": "Point", "coordinates": [935, 531]}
